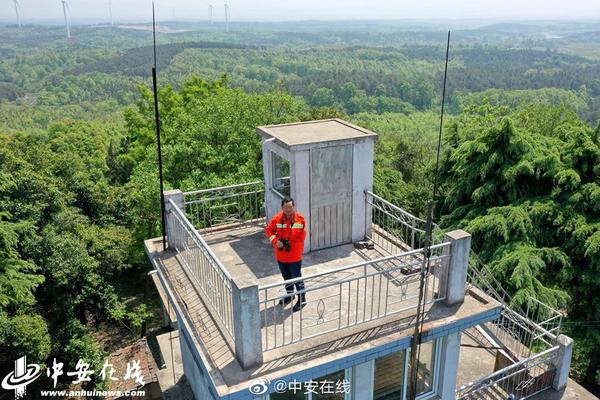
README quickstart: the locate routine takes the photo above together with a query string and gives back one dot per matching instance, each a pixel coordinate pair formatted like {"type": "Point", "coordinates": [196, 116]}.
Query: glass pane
{"type": "Point", "coordinates": [389, 377]}
{"type": "Point", "coordinates": [330, 387]}
{"type": "Point", "coordinates": [425, 369]}
{"type": "Point", "coordinates": [280, 174]}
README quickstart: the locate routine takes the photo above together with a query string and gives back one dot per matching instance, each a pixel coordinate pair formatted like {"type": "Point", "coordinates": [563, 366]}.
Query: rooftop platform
{"type": "Point", "coordinates": [335, 330]}
{"type": "Point", "coordinates": [247, 251]}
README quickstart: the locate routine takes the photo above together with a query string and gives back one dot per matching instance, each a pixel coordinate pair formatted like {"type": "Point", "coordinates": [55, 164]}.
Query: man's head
{"type": "Point", "coordinates": [287, 205]}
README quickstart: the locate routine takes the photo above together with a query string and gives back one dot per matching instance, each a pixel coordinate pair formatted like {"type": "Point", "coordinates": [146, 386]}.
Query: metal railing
{"type": "Point", "coordinates": [480, 276]}
{"type": "Point", "coordinates": [207, 274]}
{"type": "Point", "coordinates": [521, 332]}
{"type": "Point", "coordinates": [520, 336]}
{"type": "Point", "coordinates": [350, 296]}
{"type": "Point", "coordinates": [394, 229]}
{"type": "Point", "coordinates": [234, 205]}
{"type": "Point", "coordinates": [520, 380]}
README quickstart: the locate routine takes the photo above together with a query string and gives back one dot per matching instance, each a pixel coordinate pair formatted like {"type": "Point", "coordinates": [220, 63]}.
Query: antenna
{"type": "Point", "coordinates": [65, 7]}
{"type": "Point", "coordinates": [226, 16]}
{"type": "Point", "coordinates": [415, 346]}
{"type": "Point", "coordinates": [210, 13]}
{"type": "Point", "coordinates": [17, 12]}
{"type": "Point", "coordinates": [110, 12]}
{"type": "Point", "coordinates": [157, 119]}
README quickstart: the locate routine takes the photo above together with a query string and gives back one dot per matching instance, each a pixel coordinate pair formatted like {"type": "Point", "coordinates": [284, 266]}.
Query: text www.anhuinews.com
{"type": "Point", "coordinates": [93, 393]}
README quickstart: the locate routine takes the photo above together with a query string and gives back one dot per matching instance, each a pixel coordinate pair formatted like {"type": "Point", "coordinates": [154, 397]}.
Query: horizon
{"type": "Point", "coordinates": [473, 22]}
{"type": "Point", "coordinates": [272, 11]}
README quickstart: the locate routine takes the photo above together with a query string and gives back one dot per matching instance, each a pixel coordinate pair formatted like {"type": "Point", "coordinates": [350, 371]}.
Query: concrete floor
{"type": "Point", "coordinates": [217, 349]}
{"type": "Point", "coordinates": [474, 362]}
{"type": "Point", "coordinates": [335, 300]}
{"type": "Point", "coordinates": [246, 251]}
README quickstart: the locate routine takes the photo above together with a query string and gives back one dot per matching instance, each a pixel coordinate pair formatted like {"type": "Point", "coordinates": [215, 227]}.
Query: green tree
{"type": "Point", "coordinates": [527, 188]}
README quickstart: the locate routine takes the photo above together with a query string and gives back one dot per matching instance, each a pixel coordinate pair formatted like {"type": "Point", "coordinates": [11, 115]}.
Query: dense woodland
{"type": "Point", "coordinates": [79, 191]}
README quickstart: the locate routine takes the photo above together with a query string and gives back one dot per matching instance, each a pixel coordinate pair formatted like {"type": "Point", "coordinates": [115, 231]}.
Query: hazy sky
{"type": "Point", "coordinates": [309, 9]}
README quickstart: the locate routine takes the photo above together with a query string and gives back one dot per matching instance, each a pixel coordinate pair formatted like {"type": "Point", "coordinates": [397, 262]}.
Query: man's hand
{"type": "Point", "coordinates": [279, 244]}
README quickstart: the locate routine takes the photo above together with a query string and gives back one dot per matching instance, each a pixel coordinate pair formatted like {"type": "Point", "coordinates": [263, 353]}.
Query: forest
{"type": "Point", "coordinates": [79, 189]}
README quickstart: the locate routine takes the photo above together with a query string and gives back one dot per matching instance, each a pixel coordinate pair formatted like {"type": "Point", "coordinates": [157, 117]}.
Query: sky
{"type": "Point", "coordinates": [281, 10]}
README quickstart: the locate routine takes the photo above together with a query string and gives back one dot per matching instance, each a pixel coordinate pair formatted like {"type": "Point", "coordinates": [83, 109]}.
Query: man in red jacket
{"type": "Point", "coordinates": [287, 231]}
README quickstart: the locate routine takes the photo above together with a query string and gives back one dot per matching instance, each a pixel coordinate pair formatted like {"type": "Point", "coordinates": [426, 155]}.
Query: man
{"type": "Point", "coordinates": [287, 231]}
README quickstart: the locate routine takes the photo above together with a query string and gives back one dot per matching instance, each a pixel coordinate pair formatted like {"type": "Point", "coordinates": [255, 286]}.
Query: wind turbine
{"type": "Point", "coordinates": [226, 16]}
{"type": "Point", "coordinates": [210, 13]}
{"type": "Point", "coordinates": [65, 7]}
{"type": "Point", "coordinates": [110, 12]}
{"type": "Point", "coordinates": [17, 11]}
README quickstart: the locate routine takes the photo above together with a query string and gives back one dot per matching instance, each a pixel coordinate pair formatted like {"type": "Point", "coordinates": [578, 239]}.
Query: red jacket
{"type": "Point", "coordinates": [295, 231]}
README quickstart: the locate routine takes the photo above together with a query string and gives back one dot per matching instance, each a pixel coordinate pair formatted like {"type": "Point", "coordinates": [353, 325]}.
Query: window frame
{"type": "Point", "coordinates": [437, 343]}
{"type": "Point", "coordinates": [273, 156]}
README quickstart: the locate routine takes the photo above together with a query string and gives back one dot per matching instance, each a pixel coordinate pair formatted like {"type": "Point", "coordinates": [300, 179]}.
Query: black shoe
{"type": "Point", "coordinates": [300, 304]}
{"type": "Point", "coordinates": [286, 300]}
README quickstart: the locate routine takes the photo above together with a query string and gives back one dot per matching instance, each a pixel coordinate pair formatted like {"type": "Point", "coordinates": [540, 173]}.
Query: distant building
{"type": "Point", "coordinates": [352, 340]}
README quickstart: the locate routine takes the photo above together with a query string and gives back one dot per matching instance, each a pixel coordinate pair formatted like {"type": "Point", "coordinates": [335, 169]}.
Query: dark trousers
{"type": "Point", "coordinates": [291, 271]}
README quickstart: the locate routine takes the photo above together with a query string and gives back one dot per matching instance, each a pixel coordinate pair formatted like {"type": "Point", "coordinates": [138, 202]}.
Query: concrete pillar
{"type": "Point", "coordinates": [363, 380]}
{"type": "Point", "coordinates": [449, 356]}
{"type": "Point", "coordinates": [177, 196]}
{"type": "Point", "coordinates": [246, 326]}
{"type": "Point", "coordinates": [362, 180]}
{"type": "Point", "coordinates": [455, 281]}
{"type": "Point", "coordinates": [563, 362]}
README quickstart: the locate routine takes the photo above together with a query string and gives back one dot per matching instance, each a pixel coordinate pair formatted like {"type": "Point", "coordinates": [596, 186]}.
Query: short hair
{"type": "Point", "coordinates": [287, 199]}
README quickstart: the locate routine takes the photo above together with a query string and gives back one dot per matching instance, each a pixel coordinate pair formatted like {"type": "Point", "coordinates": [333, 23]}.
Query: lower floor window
{"type": "Point", "coordinates": [392, 373]}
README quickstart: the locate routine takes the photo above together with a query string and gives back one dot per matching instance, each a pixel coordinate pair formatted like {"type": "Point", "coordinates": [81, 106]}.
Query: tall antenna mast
{"type": "Point", "coordinates": [110, 12]}
{"type": "Point", "coordinates": [17, 12]}
{"type": "Point", "coordinates": [226, 16]}
{"type": "Point", "coordinates": [415, 347]}
{"type": "Point", "coordinates": [210, 13]}
{"type": "Point", "coordinates": [65, 7]}
{"type": "Point", "coordinates": [157, 123]}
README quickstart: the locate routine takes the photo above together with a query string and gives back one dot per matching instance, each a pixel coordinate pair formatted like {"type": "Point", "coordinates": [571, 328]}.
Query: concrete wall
{"type": "Point", "coordinates": [194, 374]}
{"type": "Point", "coordinates": [363, 376]}
{"type": "Point", "coordinates": [300, 188]}
{"type": "Point", "coordinates": [362, 180]}
{"type": "Point", "coordinates": [449, 356]}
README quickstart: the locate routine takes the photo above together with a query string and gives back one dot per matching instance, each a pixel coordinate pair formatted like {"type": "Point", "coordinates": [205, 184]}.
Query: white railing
{"type": "Point", "coordinates": [521, 332]}
{"type": "Point", "coordinates": [240, 204]}
{"type": "Point", "coordinates": [527, 336]}
{"type": "Point", "coordinates": [351, 295]}
{"type": "Point", "coordinates": [518, 381]}
{"type": "Point", "coordinates": [394, 229]}
{"type": "Point", "coordinates": [207, 274]}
